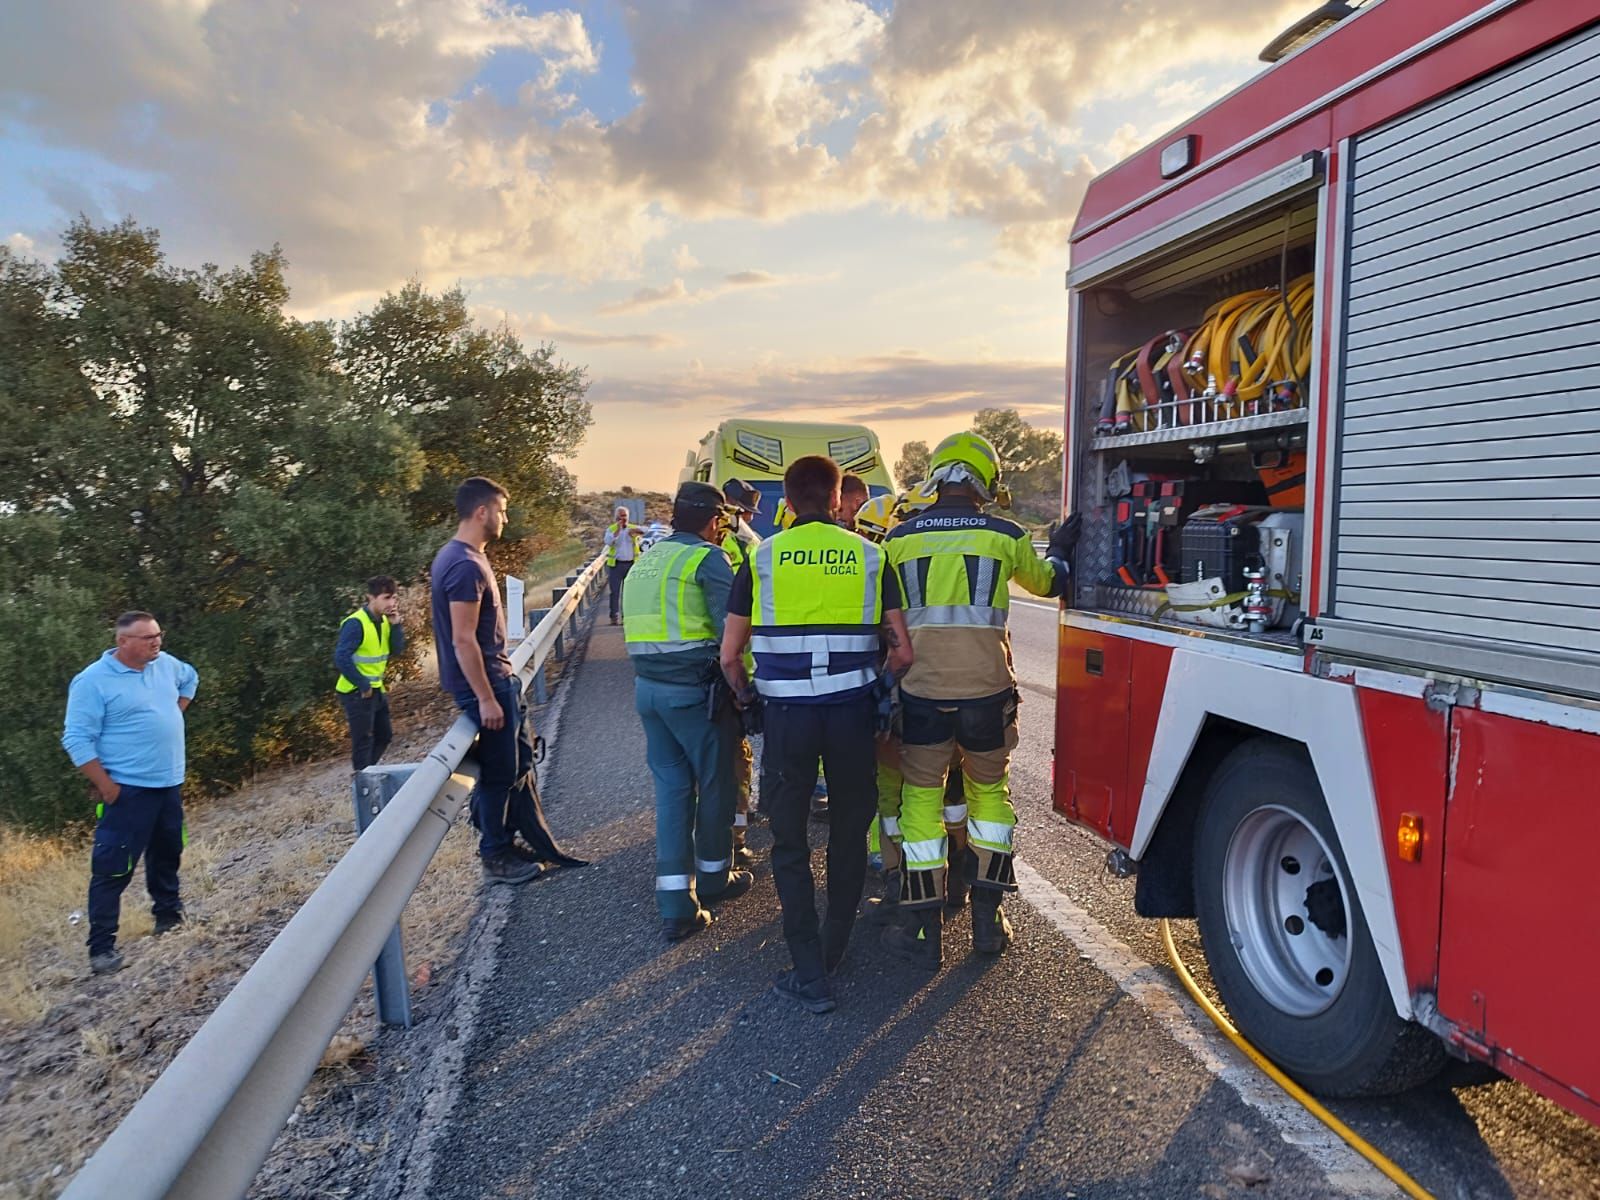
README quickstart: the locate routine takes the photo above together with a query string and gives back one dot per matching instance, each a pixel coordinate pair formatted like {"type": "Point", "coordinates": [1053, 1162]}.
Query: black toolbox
{"type": "Point", "coordinates": [1217, 543]}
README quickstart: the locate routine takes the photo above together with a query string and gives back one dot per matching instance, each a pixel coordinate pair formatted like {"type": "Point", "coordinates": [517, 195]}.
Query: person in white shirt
{"type": "Point", "coordinates": [622, 547]}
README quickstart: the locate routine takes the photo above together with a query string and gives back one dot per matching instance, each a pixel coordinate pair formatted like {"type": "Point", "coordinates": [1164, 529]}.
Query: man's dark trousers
{"type": "Point", "coordinates": [145, 822]}
{"type": "Point", "coordinates": [796, 736]}
{"type": "Point", "coordinates": [370, 728]}
{"type": "Point", "coordinates": [506, 800]}
{"type": "Point", "coordinates": [619, 572]}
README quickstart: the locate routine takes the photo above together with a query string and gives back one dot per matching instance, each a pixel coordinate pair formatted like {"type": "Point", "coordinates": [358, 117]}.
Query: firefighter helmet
{"type": "Point", "coordinates": [966, 458]}
{"type": "Point", "coordinates": [915, 499]}
{"type": "Point", "coordinates": [876, 517]}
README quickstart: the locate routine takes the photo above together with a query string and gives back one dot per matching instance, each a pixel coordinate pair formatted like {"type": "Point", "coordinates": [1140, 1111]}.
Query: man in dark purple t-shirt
{"type": "Point", "coordinates": [469, 635]}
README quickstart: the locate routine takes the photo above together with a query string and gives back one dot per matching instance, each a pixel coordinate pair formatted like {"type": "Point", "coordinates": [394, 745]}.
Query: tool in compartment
{"type": "Point", "coordinates": [1257, 605]}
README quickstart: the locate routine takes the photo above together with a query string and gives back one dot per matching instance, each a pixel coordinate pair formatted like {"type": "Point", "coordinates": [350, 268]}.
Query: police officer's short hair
{"type": "Point", "coordinates": [382, 585]}
{"type": "Point", "coordinates": [810, 483]}
{"type": "Point", "coordinates": [475, 492]}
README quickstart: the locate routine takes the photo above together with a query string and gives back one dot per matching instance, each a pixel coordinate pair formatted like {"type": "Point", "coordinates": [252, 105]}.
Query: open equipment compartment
{"type": "Point", "coordinates": [1192, 485]}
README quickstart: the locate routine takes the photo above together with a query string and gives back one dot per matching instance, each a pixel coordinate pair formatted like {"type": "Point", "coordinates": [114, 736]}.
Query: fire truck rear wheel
{"type": "Point", "coordinates": [1284, 934]}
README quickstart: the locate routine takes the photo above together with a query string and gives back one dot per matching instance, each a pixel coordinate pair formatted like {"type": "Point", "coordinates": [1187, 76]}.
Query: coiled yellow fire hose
{"type": "Point", "coordinates": [1359, 1144]}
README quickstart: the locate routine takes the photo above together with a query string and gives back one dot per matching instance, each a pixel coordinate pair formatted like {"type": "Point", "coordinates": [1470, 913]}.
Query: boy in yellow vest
{"type": "Point", "coordinates": [368, 638]}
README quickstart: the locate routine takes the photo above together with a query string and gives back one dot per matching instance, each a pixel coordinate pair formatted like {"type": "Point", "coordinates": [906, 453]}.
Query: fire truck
{"type": "Point", "coordinates": [1329, 674]}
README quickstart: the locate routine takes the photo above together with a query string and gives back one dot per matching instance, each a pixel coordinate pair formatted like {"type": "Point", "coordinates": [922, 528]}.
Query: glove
{"type": "Point", "coordinates": [1065, 538]}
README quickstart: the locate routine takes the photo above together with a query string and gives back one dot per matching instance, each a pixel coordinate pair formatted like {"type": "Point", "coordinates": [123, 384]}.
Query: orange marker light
{"type": "Point", "coordinates": [1408, 837]}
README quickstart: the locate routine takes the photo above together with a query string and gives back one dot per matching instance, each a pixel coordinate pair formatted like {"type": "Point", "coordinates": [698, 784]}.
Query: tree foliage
{"type": "Point", "coordinates": [912, 468]}
{"type": "Point", "coordinates": [176, 442]}
{"type": "Point", "coordinates": [1032, 462]}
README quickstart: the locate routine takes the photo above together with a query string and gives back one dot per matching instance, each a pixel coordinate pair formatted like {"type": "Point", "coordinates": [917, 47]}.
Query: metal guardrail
{"type": "Point", "coordinates": [209, 1120]}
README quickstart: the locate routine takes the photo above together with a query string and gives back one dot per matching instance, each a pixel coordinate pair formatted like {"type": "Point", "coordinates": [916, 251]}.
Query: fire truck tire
{"type": "Point", "coordinates": [1284, 935]}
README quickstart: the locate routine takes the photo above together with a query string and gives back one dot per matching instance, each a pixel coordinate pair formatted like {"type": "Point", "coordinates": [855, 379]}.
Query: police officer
{"type": "Point", "coordinates": [674, 604]}
{"type": "Point", "coordinates": [811, 606]}
{"type": "Point", "coordinates": [739, 544]}
{"type": "Point", "coordinates": [955, 564]}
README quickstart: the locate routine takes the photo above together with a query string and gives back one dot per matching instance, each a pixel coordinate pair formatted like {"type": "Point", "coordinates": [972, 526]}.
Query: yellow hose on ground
{"type": "Point", "coordinates": [1361, 1146]}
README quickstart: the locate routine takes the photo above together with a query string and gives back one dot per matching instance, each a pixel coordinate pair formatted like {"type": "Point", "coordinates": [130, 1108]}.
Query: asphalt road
{"type": "Point", "coordinates": [608, 1063]}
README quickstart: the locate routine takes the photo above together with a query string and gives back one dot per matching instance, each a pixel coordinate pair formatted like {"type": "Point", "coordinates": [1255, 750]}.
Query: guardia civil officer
{"type": "Point", "coordinates": [739, 544]}
{"type": "Point", "coordinates": [811, 606]}
{"type": "Point", "coordinates": [674, 605]}
{"type": "Point", "coordinates": [955, 563]}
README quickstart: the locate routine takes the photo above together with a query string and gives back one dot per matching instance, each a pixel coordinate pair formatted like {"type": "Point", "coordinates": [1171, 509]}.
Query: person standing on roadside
{"type": "Point", "coordinates": [368, 638]}
{"type": "Point", "coordinates": [469, 634]}
{"type": "Point", "coordinates": [812, 606]}
{"type": "Point", "coordinates": [739, 544]}
{"type": "Point", "coordinates": [622, 548]}
{"type": "Point", "coordinates": [124, 731]}
{"type": "Point", "coordinates": [676, 603]}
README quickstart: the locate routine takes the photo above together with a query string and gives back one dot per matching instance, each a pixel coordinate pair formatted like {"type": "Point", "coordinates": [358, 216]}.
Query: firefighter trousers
{"type": "Point", "coordinates": [983, 732]}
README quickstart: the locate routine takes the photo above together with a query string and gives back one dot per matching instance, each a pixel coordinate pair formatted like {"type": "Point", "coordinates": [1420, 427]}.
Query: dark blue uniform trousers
{"type": "Point", "coordinates": [144, 822]}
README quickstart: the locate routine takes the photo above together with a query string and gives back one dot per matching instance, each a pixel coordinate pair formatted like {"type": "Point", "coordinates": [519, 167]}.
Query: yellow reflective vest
{"type": "Point", "coordinates": [815, 611]}
{"type": "Point", "coordinates": [372, 655]}
{"type": "Point", "coordinates": [663, 608]}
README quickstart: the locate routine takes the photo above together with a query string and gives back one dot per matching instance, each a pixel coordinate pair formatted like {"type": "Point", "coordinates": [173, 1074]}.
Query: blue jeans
{"type": "Point", "coordinates": [691, 760]}
{"type": "Point", "coordinates": [144, 822]}
{"type": "Point", "coordinates": [506, 800]}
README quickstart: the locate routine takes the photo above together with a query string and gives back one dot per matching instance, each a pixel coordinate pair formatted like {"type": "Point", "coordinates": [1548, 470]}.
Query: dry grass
{"type": "Point", "coordinates": [77, 1051]}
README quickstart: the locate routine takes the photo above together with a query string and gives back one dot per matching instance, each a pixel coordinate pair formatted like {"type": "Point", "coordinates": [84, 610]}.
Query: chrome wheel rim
{"type": "Point", "coordinates": [1287, 907]}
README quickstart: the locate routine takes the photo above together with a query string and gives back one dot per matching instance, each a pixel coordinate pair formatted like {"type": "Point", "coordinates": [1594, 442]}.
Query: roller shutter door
{"type": "Point", "coordinates": [1468, 467]}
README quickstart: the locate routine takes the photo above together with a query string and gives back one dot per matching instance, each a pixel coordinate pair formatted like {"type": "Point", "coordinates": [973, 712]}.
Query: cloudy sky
{"type": "Point", "coordinates": [829, 209]}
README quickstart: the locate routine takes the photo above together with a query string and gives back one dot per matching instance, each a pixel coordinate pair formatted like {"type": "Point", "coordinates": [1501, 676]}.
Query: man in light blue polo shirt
{"type": "Point", "coordinates": [124, 731]}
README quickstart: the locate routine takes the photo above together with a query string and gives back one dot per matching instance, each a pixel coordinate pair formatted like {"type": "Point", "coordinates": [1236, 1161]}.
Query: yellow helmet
{"type": "Point", "coordinates": [966, 458]}
{"type": "Point", "coordinates": [876, 517]}
{"type": "Point", "coordinates": [783, 516]}
{"type": "Point", "coordinates": [915, 499]}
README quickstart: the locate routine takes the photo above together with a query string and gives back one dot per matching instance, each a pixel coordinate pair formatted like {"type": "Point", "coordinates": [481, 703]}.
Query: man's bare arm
{"type": "Point", "coordinates": [735, 635]}
{"type": "Point", "coordinates": [108, 788]}
{"type": "Point", "coordinates": [464, 639]}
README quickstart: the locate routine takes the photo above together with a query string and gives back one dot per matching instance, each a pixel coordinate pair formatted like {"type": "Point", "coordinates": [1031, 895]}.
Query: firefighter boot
{"type": "Point", "coordinates": [958, 878]}
{"type": "Point", "coordinates": [884, 909]}
{"type": "Point", "coordinates": [918, 938]}
{"type": "Point", "coordinates": [991, 932]}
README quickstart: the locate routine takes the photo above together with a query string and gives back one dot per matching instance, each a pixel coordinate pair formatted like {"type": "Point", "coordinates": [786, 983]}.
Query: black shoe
{"type": "Point", "coordinates": [739, 883]}
{"type": "Point", "coordinates": [506, 867]}
{"type": "Point", "coordinates": [816, 996]}
{"type": "Point", "coordinates": [744, 857]}
{"type": "Point", "coordinates": [568, 860]}
{"type": "Point", "coordinates": [108, 963]}
{"type": "Point", "coordinates": [675, 929]}
{"type": "Point", "coordinates": [918, 938]}
{"type": "Point", "coordinates": [819, 808]}
{"type": "Point", "coordinates": [167, 922]}
{"type": "Point", "coordinates": [991, 932]}
{"type": "Point", "coordinates": [613, 619]}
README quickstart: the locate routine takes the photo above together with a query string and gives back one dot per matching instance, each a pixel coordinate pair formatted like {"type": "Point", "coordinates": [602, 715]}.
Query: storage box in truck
{"type": "Point", "coordinates": [1329, 673]}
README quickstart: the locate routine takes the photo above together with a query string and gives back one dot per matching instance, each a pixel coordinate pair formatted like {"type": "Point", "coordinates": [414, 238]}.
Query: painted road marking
{"type": "Point", "coordinates": [1172, 1009]}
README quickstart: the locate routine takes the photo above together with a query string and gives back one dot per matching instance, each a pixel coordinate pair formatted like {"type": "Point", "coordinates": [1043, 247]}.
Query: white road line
{"type": "Point", "coordinates": [1346, 1171]}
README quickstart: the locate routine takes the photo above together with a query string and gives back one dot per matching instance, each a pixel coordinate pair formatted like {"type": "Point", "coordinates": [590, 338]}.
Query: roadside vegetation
{"type": "Point", "coordinates": [1031, 458]}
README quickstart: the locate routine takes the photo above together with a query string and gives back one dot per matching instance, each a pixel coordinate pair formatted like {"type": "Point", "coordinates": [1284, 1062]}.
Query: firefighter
{"type": "Point", "coordinates": [674, 605]}
{"type": "Point", "coordinates": [739, 545]}
{"type": "Point", "coordinates": [811, 606]}
{"type": "Point", "coordinates": [955, 564]}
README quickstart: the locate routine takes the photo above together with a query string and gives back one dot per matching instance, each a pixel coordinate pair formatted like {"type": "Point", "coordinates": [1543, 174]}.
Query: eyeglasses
{"type": "Point", "coordinates": [145, 637]}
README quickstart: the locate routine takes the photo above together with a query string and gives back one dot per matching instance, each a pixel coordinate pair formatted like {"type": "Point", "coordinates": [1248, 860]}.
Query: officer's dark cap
{"type": "Point", "coordinates": [694, 494]}
{"type": "Point", "coordinates": [742, 494]}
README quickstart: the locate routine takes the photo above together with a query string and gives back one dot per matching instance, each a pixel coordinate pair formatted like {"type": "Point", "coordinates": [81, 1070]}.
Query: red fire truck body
{"type": "Point", "coordinates": [1384, 807]}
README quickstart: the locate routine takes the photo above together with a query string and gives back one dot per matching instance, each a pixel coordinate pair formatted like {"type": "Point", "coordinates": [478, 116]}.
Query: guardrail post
{"type": "Point", "coordinates": [374, 788]}
{"type": "Point", "coordinates": [541, 690]}
{"type": "Point", "coordinates": [556, 594]}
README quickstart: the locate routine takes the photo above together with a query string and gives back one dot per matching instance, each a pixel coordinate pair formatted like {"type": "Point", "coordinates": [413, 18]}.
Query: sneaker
{"type": "Point", "coordinates": [675, 929]}
{"type": "Point", "coordinates": [613, 619]}
{"type": "Point", "coordinates": [816, 996]}
{"type": "Point", "coordinates": [167, 922]}
{"type": "Point", "coordinates": [744, 857]}
{"type": "Point", "coordinates": [108, 963]}
{"type": "Point", "coordinates": [507, 868]}
{"type": "Point", "coordinates": [739, 883]}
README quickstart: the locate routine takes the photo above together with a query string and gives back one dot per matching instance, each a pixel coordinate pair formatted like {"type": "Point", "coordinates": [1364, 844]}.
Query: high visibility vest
{"type": "Point", "coordinates": [611, 550]}
{"type": "Point", "coordinates": [739, 549]}
{"type": "Point", "coordinates": [372, 655]}
{"type": "Point", "coordinates": [956, 565]}
{"type": "Point", "coordinates": [663, 607]}
{"type": "Point", "coordinates": [816, 606]}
